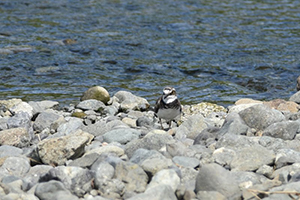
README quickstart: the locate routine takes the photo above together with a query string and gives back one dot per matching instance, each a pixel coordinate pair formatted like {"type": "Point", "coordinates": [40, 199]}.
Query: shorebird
{"type": "Point", "coordinates": [298, 83]}
{"type": "Point", "coordinates": [168, 106]}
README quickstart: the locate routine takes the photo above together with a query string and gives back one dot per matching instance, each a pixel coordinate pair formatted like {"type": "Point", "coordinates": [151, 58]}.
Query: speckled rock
{"type": "Point", "coordinates": [132, 175]}
{"type": "Point", "coordinates": [57, 151]}
{"type": "Point", "coordinates": [204, 108]}
{"type": "Point", "coordinates": [18, 137]}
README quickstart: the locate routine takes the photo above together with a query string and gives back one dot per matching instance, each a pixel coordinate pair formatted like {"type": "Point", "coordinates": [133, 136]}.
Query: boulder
{"type": "Point", "coordinates": [53, 190]}
{"type": "Point", "coordinates": [122, 135]}
{"type": "Point", "coordinates": [156, 193]}
{"type": "Point", "coordinates": [295, 97]}
{"type": "Point", "coordinates": [165, 177]}
{"type": "Point", "coordinates": [261, 116]}
{"type": "Point", "coordinates": [56, 151]}
{"type": "Point", "coordinates": [251, 158]}
{"type": "Point", "coordinates": [128, 101]}
{"type": "Point", "coordinates": [213, 177]}
{"type": "Point", "coordinates": [75, 179]}
{"type": "Point", "coordinates": [91, 104]}
{"type": "Point", "coordinates": [15, 166]}
{"type": "Point", "coordinates": [96, 92]}
{"type": "Point", "coordinates": [285, 130]}
{"type": "Point", "coordinates": [17, 137]}
{"type": "Point", "coordinates": [191, 127]}
{"type": "Point", "coordinates": [44, 120]}
{"type": "Point", "coordinates": [132, 175]}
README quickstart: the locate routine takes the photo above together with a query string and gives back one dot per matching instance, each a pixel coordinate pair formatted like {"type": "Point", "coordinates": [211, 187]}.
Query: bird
{"type": "Point", "coordinates": [298, 83]}
{"type": "Point", "coordinates": [168, 106]}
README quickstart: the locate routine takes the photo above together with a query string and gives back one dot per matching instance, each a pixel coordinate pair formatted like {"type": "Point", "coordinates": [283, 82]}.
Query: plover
{"type": "Point", "coordinates": [168, 106]}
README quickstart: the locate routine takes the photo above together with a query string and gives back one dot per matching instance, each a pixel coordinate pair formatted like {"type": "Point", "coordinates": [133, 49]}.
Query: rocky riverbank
{"type": "Point", "coordinates": [113, 148]}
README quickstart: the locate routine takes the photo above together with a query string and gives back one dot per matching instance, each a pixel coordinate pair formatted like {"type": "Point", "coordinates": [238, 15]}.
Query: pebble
{"type": "Point", "coordinates": [118, 151]}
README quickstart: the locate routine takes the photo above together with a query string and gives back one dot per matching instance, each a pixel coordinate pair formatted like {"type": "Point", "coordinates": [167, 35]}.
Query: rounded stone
{"type": "Point", "coordinates": [96, 92]}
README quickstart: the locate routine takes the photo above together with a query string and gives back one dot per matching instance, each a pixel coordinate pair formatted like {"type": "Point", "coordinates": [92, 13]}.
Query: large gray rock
{"type": "Point", "coordinates": [103, 172]}
{"type": "Point", "coordinates": [96, 92]}
{"type": "Point", "coordinates": [53, 190]}
{"type": "Point", "coordinates": [91, 104]}
{"type": "Point", "coordinates": [22, 107]}
{"type": "Point", "coordinates": [151, 160]}
{"type": "Point", "coordinates": [156, 193]}
{"type": "Point", "coordinates": [234, 124]}
{"type": "Point", "coordinates": [75, 179]}
{"type": "Point", "coordinates": [122, 135]}
{"type": "Point", "coordinates": [206, 136]}
{"type": "Point", "coordinates": [245, 179]}
{"type": "Point", "coordinates": [40, 106]}
{"type": "Point", "coordinates": [295, 97]}
{"type": "Point", "coordinates": [132, 175]}
{"type": "Point", "coordinates": [176, 148]}
{"type": "Point", "coordinates": [223, 156]}
{"type": "Point", "coordinates": [165, 177]}
{"type": "Point", "coordinates": [184, 161]}
{"type": "Point", "coordinates": [106, 150]}
{"type": "Point", "coordinates": [251, 158]}
{"type": "Point", "coordinates": [7, 150]}
{"type": "Point", "coordinates": [44, 120]}
{"type": "Point", "coordinates": [210, 195]}
{"type": "Point", "coordinates": [261, 116]}
{"type": "Point", "coordinates": [102, 127]}
{"type": "Point", "coordinates": [72, 125]}
{"type": "Point", "coordinates": [33, 176]}
{"type": "Point", "coordinates": [285, 130]}
{"type": "Point", "coordinates": [84, 161]}
{"type": "Point", "coordinates": [57, 151]}
{"type": "Point", "coordinates": [18, 137]}
{"type": "Point", "coordinates": [286, 157]}
{"type": "Point", "coordinates": [111, 188]}
{"type": "Point", "coordinates": [191, 127]}
{"type": "Point", "coordinates": [20, 119]}
{"type": "Point", "coordinates": [236, 141]}
{"type": "Point", "coordinates": [15, 166]}
{"type": "Point", "coordinates": [155, 140]}
{"type": "Point", "coordinates": [3, 123]}
{"type": "Point", "coordinates": [128, 101]}
{"type": "Point", "coordinates": [213, 177]}
{"type": "Point", "coordinates": [285, 173]}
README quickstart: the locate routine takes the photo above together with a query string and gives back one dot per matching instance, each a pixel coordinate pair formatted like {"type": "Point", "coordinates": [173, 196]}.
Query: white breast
{"type": "Point", "coordinates": [168, 114]}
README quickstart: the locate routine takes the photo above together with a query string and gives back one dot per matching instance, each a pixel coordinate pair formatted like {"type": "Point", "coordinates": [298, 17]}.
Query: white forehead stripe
{"type": "Point", "coordinates": [167, 91]}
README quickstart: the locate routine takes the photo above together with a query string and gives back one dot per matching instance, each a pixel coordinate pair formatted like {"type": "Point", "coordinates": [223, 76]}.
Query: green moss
{"type": "Point", "coordinates": [78, 115]}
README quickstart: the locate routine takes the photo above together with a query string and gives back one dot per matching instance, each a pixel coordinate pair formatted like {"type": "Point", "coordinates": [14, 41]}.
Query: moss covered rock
{"type": "Point", "coordinates": [96, 92]}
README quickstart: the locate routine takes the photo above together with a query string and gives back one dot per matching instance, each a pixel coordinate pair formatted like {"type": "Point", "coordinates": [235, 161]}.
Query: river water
{"type": "Point", "coordinates": [209, 50]}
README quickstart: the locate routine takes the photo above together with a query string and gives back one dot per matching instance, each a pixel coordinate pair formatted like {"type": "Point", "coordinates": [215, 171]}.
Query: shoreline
{"type": "Point", "coordinates": [113, 148]}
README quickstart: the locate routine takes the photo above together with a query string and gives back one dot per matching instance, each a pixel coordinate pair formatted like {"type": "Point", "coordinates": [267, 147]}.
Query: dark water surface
{"type": "Point", "coordinates": [209, 50]}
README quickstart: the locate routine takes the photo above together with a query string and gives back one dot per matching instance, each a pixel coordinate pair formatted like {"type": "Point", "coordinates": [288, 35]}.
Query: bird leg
{"type": "Point", "coordinates": [161, 124]}
{"type": "Point", "coordinates": [170, 124]}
